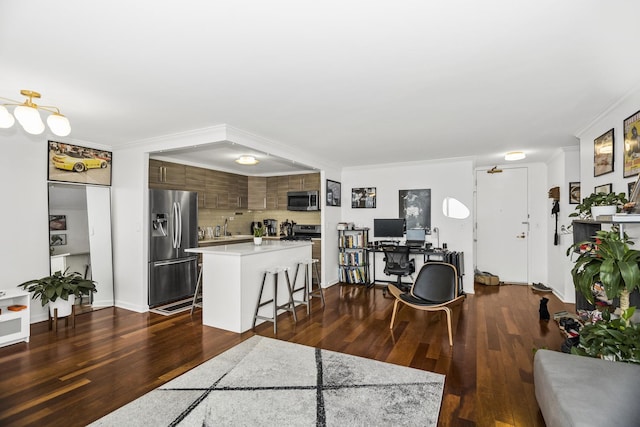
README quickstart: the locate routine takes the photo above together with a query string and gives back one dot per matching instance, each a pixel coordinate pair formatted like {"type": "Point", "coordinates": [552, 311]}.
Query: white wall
{"type": "Point", "coordinates": [562, 169]}
{"type": "Point", "coordinates": [453, 178]}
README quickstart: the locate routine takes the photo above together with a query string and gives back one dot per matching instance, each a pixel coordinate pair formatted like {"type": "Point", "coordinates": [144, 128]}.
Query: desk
{"type": "Point", "coordinates": [451, 257]}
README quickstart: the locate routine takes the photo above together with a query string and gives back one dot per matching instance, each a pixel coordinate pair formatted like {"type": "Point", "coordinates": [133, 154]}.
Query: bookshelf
{"type": "Point", "coordinates": [353, 257]}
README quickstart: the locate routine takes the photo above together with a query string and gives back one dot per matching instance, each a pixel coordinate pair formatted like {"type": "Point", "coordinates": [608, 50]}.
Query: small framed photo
{"type": "Point", "coordinates": [630, 186]}
{"type": "Point", "coordinates": [603, 153]}
{"type": "Point", "coordinates": [74, 163]}
{"type": "Point", "coordinates": [57, 240]}
{"type": "Point", "coordinates": [631, 131]}
{"type": "Point", "coordinates": [363, 197]}
{"type": "Point", "coordinates": [604, 188]}
{"type": "Point", "coordinates": [333, 193]}
{"type": "Point", "coordinates": [574, 193]}
{"type": "Point", "coordinates": [57, 222]}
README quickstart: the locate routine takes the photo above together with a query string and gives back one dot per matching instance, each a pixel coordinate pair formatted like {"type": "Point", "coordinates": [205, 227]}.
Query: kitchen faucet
{"type": "Point", "coordinates": [226, 223]}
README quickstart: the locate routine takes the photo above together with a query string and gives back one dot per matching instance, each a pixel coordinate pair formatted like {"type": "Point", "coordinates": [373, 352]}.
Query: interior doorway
{"type": "Point", "coordinates": [502, 223]}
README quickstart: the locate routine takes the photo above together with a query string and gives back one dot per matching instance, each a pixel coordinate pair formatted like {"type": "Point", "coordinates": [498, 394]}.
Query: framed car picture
{"type": "Point", "coordinates": [74, 163]}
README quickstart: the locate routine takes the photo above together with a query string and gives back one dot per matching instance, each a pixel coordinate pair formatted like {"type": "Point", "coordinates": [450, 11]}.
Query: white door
{"type": "Point", "coordinates": [502, 224]}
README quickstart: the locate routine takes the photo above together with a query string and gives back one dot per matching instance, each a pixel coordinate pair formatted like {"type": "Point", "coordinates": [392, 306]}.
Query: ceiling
{"type": "Point", "coordinates": [346, 82]}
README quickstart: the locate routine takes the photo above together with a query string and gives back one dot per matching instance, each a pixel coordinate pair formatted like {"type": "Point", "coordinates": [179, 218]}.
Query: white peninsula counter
{"type": "Point", "coordinates": [232, 275]}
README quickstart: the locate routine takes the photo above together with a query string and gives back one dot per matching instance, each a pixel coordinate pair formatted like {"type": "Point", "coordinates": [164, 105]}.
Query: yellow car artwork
{"type": "Point", "coordinates": [77, 162]}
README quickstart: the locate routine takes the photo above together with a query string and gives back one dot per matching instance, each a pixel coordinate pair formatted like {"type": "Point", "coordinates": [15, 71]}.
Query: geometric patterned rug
{"type": "Point", "coordinates": [264, 381]}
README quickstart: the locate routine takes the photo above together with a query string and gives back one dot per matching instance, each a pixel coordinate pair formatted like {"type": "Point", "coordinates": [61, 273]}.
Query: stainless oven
{"type": "Point", "coordinates": [303, 201]}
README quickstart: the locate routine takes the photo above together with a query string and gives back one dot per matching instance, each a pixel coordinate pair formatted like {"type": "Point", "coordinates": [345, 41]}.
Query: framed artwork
{"type": "Point", "coordinates": [603, 153]}
{"type": "Point", "coordinates": [57, 240]}
{"type": "Point", "coordinates": [333, 193]}
{"type": "Point", "coordinates": [630, 186]}
{"type": "Point", "coordinates": [363, 197]}
{"type": "Point", "coordinates": [57, 222]}
{"type": "Point", "coordinates": [415, 208]}
{"type": "Point", "coordinates": [604, 188]}
{"type": "Point", "coordinates": [574, 193]}
{"type": "Point", "coordinates": [631, 130]}
{"type": "Point", "coordinates": [74, 163]}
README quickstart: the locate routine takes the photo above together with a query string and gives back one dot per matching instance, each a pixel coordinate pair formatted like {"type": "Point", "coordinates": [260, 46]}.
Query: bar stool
{"type": "Point", "coordinates": [289, 306]}
{"type": "Point", "coordinates": [307, 287]}
{"type": "Point", "coordinates": [194, 303]}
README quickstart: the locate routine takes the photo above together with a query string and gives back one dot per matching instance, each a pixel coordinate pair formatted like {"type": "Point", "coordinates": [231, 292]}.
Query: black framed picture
{"type": "Point", "coordinates": [57, 240]}
{"type": "Point", "coordinates": [630, 186]}
{"type": "Point", "coordinates": [574, 193]}
{"type": "Point", "coordinates": [604, 188]}
{"type": "Point", "coordinates": [57, 222]}
{"type": "Point", "coordinates": [74, 163]}
{"type": "Point", "coordinates": [603, 147]}
{"type": "Point", "coordinates": [333, 193]}
{"type": "Point", "coordinates": [631, 132]}
{"type": "Point", "coordinates": [364, 197]}
{"type": "Point", "coordinates": [415, 208]}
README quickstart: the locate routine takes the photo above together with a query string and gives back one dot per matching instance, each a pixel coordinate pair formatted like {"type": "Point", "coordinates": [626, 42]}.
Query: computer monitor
{"type": "Point", "coordinates": [415, 236]}
{"type": "Point", "coordinates": [392, 227]}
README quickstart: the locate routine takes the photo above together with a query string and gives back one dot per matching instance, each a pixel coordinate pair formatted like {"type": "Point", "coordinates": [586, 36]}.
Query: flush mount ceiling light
{"type": "Point", "coordinates": [514, 155]}
{"type": "Point", "coordinates": [247, 160]}
{"type": "Point", "coordinates": [29, 117]}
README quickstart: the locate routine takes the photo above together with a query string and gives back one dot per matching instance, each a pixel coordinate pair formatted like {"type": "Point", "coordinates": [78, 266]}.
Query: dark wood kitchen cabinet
{"type": "Point", "coordinates": [166, 175]}
{"type": "Point", "coordinates": [238, 191]}
{"type": "Point", "coordinates": [277, 188]}
{"type": "Point", "coordinates": [216, 193]}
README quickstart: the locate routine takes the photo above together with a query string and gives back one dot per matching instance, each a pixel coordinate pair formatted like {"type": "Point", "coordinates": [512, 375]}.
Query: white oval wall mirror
{"type": "Point", "coordinates": [454, 208]}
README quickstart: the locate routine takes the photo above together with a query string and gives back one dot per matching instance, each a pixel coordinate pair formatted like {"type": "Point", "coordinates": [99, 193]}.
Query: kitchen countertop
{"type": "Point", "coordinates": [241, 249]}
{"type": "Point", "coordinates": [228, 240]}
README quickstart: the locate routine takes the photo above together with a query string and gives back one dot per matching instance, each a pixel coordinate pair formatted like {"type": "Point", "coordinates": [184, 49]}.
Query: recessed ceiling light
{"type": "Point", "coordinates": [514, 155]}
{"type": "Point", "coordinates": [247, 160]}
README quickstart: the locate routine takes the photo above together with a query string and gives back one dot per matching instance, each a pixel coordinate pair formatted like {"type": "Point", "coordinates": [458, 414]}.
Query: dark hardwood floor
{"type": "Point", "coordinates": [74, 376]}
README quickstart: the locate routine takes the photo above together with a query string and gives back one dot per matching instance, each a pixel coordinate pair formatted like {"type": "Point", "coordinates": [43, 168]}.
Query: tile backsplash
{"type": "Point", "coordinates": [240, 221]}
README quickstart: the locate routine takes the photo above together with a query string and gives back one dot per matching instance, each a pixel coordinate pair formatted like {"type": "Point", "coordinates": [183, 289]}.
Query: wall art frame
{"type": "Point", "coordinates": [78, 164]}
{"type": "Point", "coordinates": [57, 239]}
{"type": "Point", "coordinates": [631, 132]}
{"type": "Point", "coordinates": [603, 153]}
{"type": "Point", "coordinates": [363, 197]}
{"type": "Point", "coordinates": [604, 188]}
{"type": "Point", "coordinates": [57, 222]}
{"type": "Point", "coordinates": [574, 193]}
{"type": "Point", "coordinates": [333, 191]}
{"type": "Point", "coordinates": [415, 207]}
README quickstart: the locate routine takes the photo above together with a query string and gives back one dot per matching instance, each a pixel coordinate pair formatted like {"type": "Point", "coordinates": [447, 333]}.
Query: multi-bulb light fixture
{"type": "Point", "coordinates": [29, 117]}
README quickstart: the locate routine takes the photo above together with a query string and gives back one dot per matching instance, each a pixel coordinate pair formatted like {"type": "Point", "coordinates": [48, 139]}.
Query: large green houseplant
{"type": "Point", "coordinates": [583, 210]}
{"type": "Point", "coordinates": [610, 261]}
{"type": "Point", "coordinates": [60, 285]}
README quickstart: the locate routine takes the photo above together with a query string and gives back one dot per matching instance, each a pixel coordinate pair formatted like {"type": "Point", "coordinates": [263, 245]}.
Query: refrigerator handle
{"type": "Point", "coordinates": [179, 242]}
{"type": "Point", "coordinates": [175, 225]}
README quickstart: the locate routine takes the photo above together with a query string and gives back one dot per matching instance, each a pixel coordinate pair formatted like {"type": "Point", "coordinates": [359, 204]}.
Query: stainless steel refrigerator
{"type": "Point", "coordinates": [174, 228]}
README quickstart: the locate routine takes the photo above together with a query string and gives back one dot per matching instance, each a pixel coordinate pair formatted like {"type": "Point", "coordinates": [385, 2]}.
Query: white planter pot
{"type": "Point", "coordinates": [64, 307]}
{"type": "Point", "coordinates": [597, 211]}
{"type": "Point", "coordinates": [257, 241]}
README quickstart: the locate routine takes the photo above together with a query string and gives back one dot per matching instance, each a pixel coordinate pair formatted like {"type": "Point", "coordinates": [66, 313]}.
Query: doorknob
{"type": "Point", "coordinates": [521, 236]}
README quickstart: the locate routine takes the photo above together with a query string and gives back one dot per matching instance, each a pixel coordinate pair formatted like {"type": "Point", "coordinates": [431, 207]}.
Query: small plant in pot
{"type": "Point", "coordinates": [613, 200]}
{"type": "Point", "coordinates": [258, 232]}
{"type": "Point", "coordinates": [59, 289]}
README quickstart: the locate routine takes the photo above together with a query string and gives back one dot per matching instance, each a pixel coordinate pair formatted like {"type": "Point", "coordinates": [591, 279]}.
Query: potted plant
{"type": "Point", "coordinates": [610, 261]}
{"type": "Point", "coordinates": [611, 339]}
{"type": "Point", "coordinates": [258, 232]}
{"type": "Point", "coordinates": [614, 202]}
{"type": "Point", "coordinates": [59, 290]}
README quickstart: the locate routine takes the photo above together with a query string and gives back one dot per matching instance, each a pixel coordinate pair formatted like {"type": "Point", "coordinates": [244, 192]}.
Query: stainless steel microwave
{"type": "Point", "coordinates": [303, 201]}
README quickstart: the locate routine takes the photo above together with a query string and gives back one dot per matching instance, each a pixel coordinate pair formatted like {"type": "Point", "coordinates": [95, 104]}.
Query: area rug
{"type": "Point", "coordinates": [263, 381]}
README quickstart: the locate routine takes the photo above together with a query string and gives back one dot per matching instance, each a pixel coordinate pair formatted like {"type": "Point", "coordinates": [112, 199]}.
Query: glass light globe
{"type": "Point", "coordinates": [6, 119]}
{"type": "Point", "coordinates": [30, 119]}
{"type": "Point", "coordinates": [59, 124]}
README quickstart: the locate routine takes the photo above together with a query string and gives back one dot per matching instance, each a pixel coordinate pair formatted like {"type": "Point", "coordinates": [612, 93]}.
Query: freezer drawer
{"type": "Point", "coordinates": [172, 280]}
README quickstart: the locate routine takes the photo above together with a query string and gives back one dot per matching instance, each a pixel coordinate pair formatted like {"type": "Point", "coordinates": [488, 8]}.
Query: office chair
{"type": "Point", "coordinates": [435, 289]}
{"type": "Point", "coordinates": [397, 263]}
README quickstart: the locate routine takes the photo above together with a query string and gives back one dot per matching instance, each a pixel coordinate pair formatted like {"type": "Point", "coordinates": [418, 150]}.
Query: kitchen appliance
{"type": "Point", "coordinates": [304, 232]}
{"type": "Point", "coordinates": [272, 226]}
{"type": "Point", "coordinates": [173, 228]}
{"type": "Point", "coordinates": [303, 201]}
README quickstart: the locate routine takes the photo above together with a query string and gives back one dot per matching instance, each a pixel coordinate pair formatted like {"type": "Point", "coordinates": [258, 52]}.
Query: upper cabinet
{"type": "Point", "coordinates": [166, 175]}
{"type": "Point", "coordinates": [257, 192]}
{"type": "Point", "coordinates": [216, 195]}
{"type": "Point", "coordinates": [277, 188]}
{"type": "Point", "coordinates": [238, 191]}
{"type": "Point", "coordinates": [304, 182]}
